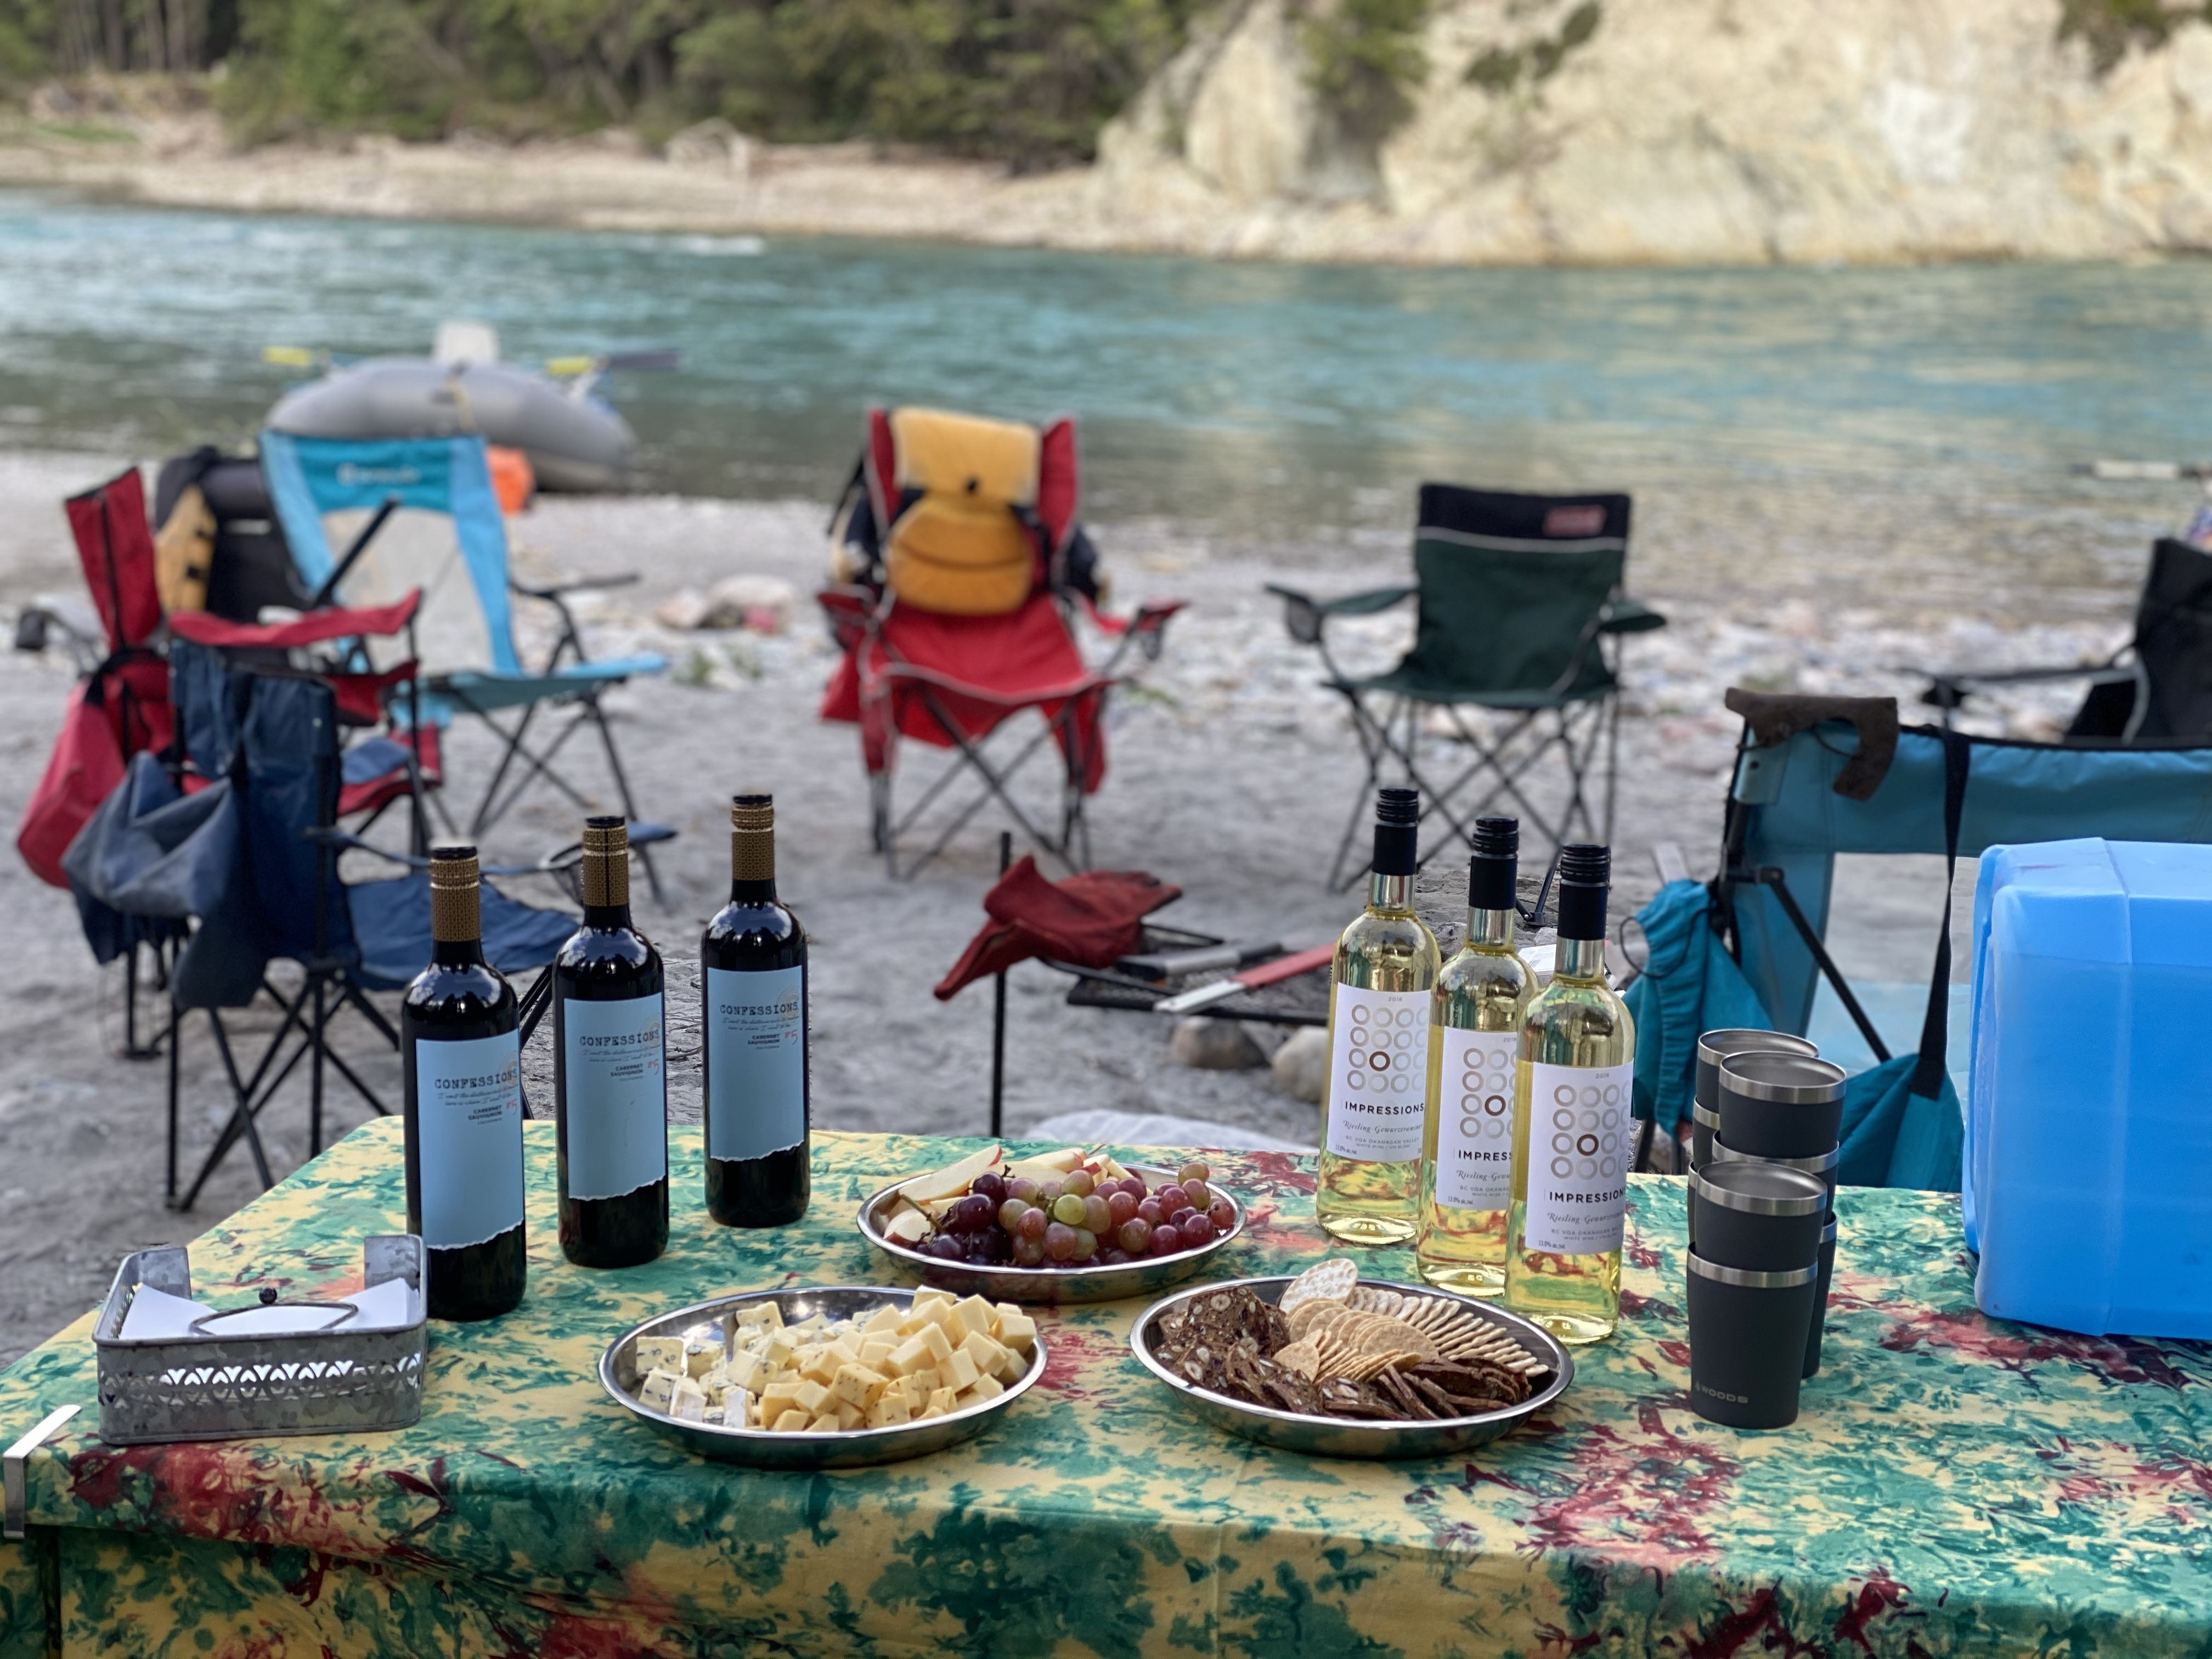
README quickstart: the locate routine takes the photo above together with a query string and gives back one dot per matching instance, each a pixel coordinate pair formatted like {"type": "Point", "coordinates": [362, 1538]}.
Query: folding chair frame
{"type": "Point", "coordinates": [538, 763]}
{"type": "Point", "coordinates": [1146, 634]}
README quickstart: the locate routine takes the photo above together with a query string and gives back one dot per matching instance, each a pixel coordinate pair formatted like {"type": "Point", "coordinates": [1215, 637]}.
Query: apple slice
{"type": "Point", "coordinates": [907, 1227]}
{"type": "Point", "coordinates": [1114, 1170]}
{"type": "Point", "coordinates": [1046, 1166]}
{"type": "Point", "coordinates": [954, 1178]}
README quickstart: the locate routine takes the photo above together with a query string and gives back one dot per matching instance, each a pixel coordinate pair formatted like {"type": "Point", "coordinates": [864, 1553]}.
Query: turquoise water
{"type": "Point", "coordinates": [1272, 399]}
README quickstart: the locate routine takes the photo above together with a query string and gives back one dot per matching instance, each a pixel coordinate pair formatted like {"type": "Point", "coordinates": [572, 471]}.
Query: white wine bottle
{"type": "Point", "coordinates": [1571, 1134]}
{"type": "Point", "coordinates": [1481, 1000]}
{"type": "Point", "coordinates": [1374, 1109]}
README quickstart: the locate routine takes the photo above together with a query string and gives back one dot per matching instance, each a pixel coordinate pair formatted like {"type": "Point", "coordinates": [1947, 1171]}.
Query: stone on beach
{"type": "Point", "coordinates": [1301, 1065]}
{"type": "Point", "coordinates": [1216, 1045]}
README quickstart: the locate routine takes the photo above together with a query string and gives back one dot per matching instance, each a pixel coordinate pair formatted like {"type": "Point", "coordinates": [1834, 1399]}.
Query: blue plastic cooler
{"type": "Point", "coordinates": [2087, 1169]}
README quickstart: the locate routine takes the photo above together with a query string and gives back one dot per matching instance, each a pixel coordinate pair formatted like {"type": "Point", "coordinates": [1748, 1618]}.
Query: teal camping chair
{"type": "Point", "coordinates": [1817, 777]}
{"type": "Point", "coordinates": [466, 630]}
{"type": "Point", "coordinates": [1521, 613]}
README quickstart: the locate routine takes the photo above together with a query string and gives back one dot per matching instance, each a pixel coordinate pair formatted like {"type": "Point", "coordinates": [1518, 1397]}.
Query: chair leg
{"type": "Point", "coordinates": [176, 1028]}
{"type": "Point", "coordinates": [1366, 729]}
{"type": "Point", "coordinates": [621, 788]}
{"type": "Point", "coordinates": [315, 1076]}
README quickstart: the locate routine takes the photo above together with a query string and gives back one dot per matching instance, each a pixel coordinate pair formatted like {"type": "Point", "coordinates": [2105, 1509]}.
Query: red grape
{"type": "Point", "coordinates": [1134, 1187]}
{"type": "Point", "coordinates": [1023, 1188]}
{"type": "Point", "coordinates": [1031, 1225]}
{"type": "Point", "coordinates": [1136, 1235]}
{"type": "Point", "coordinates": [990, 1186]}
{"type": "Point", "coordinates": [1120, 1208]}
{"type": "Point", "coordinates": [1166, 1241]}
{"type": "Point", "coordinates": [1196, 1230]}
{"type": "Point", "coordinates": [1200, 1194]}
{"type": "Point", "coordinates": [1049, 1194]}
{"type": "Point", "coordinates": [1086, 1245]}
{"type": "Point", "coordinates": [1079, 1182]}
{"type": "Point", "coordinates": [1029, 1252]}
{"type": "Point", "coordinates": [1097, 1213]}
{"type": "Point", "coordinates": [1181, 1213]}
{"type": "Point", "coordinates": [1192, 1172]}
{"type": "Point", "coordinates": [1059, 1241]}
{"type": "Point", "coordinates": [1150, 1210]}
{"type": "Point", "coordinates": [1113, 1256]}
{"type": "Point", "coordinates": [946, 1248]}
{"type": "Point", "coordinates": [1011, 1214]}
{"type": "Point", "coordinates": [1223, 1214]}
{"type": "Point", "coordinates": [970, 1215]}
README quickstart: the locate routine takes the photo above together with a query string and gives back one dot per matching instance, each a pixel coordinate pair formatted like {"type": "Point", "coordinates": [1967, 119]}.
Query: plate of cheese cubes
{"type": "Point", "coordinates": [826, 1378]}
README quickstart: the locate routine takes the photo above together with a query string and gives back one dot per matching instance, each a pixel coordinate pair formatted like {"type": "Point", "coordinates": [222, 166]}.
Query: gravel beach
{"type": "Point", "coordinates": [1232, 772]}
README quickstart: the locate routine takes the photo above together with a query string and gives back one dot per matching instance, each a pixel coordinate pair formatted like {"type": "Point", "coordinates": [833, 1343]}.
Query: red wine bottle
{"type": "Point", "coordinates": [610, 1070]}
{"type": "Point", "coordinates": [462, 1060]}
{"type": "Point", "coordinates": [752, 974]}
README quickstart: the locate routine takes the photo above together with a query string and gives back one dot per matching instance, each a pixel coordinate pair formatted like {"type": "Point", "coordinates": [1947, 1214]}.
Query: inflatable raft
{"type": "Point", "coordinates": [576, 441]}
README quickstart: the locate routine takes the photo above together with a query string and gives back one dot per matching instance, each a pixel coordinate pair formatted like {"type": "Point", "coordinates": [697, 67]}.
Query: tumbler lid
{"type": "Point", "coordinates": [1752, 1280]}
{"type": "Point", "coordinates": [1714, 1047]}
{"type": "Point", "coordinates": [1760, 1189]}
{"type": "Point", "coordinates": [1791, 1079]}
{"type": "Point", "coordinates": [1820, 1165]}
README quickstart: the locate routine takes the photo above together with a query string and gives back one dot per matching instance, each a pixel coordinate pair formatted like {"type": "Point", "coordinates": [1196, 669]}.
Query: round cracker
{"type": "Point", "coordinates": [1302, 1356]}
{"type": "Point", "coordinates": [1382, 1333]}
{"type": "Point", "coordinates": [1330, 1281]}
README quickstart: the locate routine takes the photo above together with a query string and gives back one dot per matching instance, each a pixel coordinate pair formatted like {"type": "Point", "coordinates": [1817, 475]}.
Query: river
{"type": "Point", "coordinates": [1253, 400]}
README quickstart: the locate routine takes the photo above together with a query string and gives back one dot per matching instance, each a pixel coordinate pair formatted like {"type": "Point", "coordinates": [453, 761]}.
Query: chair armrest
{"type": "Point", "coordinates": [1305, 616]}
{"type": "Point", "coordinates": [580, 585]}
{"type": "Point", "coordinates": [346, 840]}
{"type": "Point", "coordinates": [1951, 688]}
{"type": "Point", "coordinates": [1627, 616]}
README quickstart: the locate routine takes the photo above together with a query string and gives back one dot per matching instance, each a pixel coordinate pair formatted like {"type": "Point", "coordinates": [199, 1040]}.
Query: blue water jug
{"type": "Point", "coordinates": [2087, 1169]}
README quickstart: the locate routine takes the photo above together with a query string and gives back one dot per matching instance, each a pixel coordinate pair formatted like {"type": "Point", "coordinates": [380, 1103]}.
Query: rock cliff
{"type": "Point", "coordinates": [1681, 131]}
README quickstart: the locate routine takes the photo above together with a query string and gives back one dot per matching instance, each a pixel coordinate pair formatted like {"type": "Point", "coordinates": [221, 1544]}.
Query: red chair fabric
{"type": "Point", "coordinates": [911, 672]}
{"type": "Point", "coordinates": [370, 793]}
{"type": "Point", "coordinates": [123, 705]}
{"type": "Point", "coordinates": [1091, 919]}
{"type": "Point", "coordinates": [316, 627]}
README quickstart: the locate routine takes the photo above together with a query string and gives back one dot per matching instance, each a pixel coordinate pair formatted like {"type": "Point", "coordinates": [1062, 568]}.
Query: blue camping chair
{"type": "Point", "coordinates": [469, 617]}
{"type": "Point", "coordinates": [1818, 776]}
{"type": "Point", "coordinates": [250, 862]}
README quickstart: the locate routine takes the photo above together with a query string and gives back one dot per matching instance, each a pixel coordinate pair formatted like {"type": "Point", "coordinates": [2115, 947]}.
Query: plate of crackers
{"type": "Point", "coordinates": [1339, 1366]}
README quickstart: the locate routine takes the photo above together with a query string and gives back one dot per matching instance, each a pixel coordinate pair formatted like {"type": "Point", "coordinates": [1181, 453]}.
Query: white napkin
{"type": "Point", "coordinates": [155, 1315]}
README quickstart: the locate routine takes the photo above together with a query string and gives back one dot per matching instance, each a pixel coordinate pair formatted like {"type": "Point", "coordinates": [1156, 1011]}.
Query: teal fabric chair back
{"type": "Point", "coordinates": [1512, 588]}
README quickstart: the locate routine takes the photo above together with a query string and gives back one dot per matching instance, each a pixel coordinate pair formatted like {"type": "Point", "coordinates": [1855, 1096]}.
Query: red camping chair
{"type": "Point", "coordinates": [951, 680]}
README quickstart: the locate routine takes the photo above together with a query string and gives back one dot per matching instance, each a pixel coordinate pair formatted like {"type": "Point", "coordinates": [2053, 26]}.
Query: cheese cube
{"type": "Point", "coordinates": [715, 1414]}
{"type": "Point", "coordinates": [928, 1298]}
{"type": "Point", "coordinates": [961, 1370]}
{"type": "Point", "coordinates": [876, 1352]}
{"type": "Point", "coordinates": [702, 1357]}
{"type": "Point", "coordinates": [1016, 1330]}
{"type": "Point", "coordinates": [658, 1353]}
{"type": "Point", "coordinates": [990, 1359]}
{"type": "Point", "coordinates": [793, 1421]}
{"type": "Point", "coordinates": [920, 1383]}
{"type": "Point", "coordinates": [888, 1413]}
{"type": "Point", "coordinates": [945, 1316]}
{"type": "Point", "coordinates": [884, 1320]}
{"type": "Point", "coordinates": [825, 1424]}
{"type": "Point", "coordinates": [857, 1385]}
{"type": "Point", "coordinates": [747, 1372]}
{"type": "Point", "coordinates": [974, 1313]}
{"type": "Point", "coordinates": [812, 1396]}
{"type": "Point", "coordinates": [940, 1344]}
{"type": "Point", "coordinates": [762, 1315]}
{"type": "Point", "coordinates": [847, 1349]}
{"type": "Point", "coordinates": [850, 1417]}
{"type": "Point", "coordinates": [940, 1402]}
{"type": "Point", "coordinates": [689, 1401]}
{"type": "Point", "coordinates": [779, 1395]}
{"type": "Point", "coordinates": [911, 1355]}
{"type": "Point", "coordinates": [820, 1365]}
{"type": "Point", "coordinates": [986, 1388]}
{"type": "Point", "coordinates": [778, 1351]}
{"type": "Point", "coordinates": [658, 1388]}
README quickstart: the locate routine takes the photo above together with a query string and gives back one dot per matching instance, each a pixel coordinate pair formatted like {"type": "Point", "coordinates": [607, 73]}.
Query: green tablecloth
{"type": "Point", "coordinates": [1954, 1485]}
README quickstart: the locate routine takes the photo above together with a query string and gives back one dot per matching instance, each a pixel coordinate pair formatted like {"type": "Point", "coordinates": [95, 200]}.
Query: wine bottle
{"type": "Point", "coordinates": [752, 967]}
{"type": "Point", "coordinates": [1375, 1107]}
{"type": "Point", "coordinates": [462, 1060]}
{"type": "Point", "coordinates": [610, 1070]}
{"type": "Point", "coordinates": [1474, 1038]}
{"type": "Point", "coordinates": [1571, 1135]}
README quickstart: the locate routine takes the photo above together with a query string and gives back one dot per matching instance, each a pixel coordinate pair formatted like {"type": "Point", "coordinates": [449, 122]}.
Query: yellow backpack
{"type": "Point", "coordinates": [963, 545]}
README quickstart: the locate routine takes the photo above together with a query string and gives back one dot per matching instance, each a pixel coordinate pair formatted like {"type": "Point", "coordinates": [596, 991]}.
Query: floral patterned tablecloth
{"type": "Point", "coordinates": [1955, 1485]}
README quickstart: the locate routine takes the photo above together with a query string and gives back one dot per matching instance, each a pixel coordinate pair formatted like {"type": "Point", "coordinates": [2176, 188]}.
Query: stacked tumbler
{"type": "Point", "coordinates": [1762, 1223]}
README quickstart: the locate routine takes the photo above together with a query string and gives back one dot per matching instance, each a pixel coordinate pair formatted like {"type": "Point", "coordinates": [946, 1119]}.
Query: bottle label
{"type": "Point", "coordinates": [1578, 1140]}
{"type": "Point", "coordinates": [756, 1061]}
{"type": "Point", "coordinates": [1378, 1075]}
{"type": "Point", "coordinates": [1474, 1127]}
{"type": "Point", "coordinates": [468, 1121]}
{"type": "Point", "coordinates": [616, 1115]}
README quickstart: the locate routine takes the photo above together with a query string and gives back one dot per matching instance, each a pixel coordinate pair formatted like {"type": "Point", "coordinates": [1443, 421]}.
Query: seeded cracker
{"type": "Point", "coordinates": [1331, 1281]}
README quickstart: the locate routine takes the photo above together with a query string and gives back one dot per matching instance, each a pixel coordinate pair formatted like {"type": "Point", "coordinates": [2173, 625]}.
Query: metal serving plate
{"type": "Point", "coordinates": [1333, 1436]}
{"type": "Point", "coordinates": [1116, 1283]}
{"type": "Point", "coordinates": [848, 1448]}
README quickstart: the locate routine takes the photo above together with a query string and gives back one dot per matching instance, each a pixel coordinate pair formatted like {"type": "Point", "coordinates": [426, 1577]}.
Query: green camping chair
{"type": "Point", "coordinates": [1522, 615]}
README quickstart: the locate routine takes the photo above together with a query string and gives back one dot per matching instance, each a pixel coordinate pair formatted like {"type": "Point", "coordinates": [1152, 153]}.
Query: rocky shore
{"type": "Point", "coordinates": [1584, 131]}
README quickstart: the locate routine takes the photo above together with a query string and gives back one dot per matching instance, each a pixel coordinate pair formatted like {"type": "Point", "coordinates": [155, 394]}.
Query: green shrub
{"type": "Point", "coordinates": [1365, 61]}
{"type": "Point", "coordinates": [2110, 26]}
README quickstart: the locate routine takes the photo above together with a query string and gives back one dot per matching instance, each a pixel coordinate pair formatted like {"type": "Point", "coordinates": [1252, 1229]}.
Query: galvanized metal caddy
{"type": "Point", "coordinates": [207, 1387]}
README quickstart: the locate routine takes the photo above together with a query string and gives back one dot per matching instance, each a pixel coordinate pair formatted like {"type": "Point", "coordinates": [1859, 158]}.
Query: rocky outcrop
{"type": "Point", "coordinates": [1683, 130]}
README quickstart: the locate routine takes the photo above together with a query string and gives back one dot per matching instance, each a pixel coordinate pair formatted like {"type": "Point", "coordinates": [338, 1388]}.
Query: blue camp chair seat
{"type": "Point", "coordinates": [391, 930]}
{"type": "Point", "coordinates": [1407, 680]}
{"type": "Point", "coordinates": [484, 691]}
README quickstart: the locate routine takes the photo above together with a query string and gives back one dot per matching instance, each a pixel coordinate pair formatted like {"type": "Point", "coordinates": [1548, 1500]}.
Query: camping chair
{"type": "Point", "coordinates": [467, 632]}
{"type": "Point", "coordinates": [967, 568]}
{"type": "Point", "coordinates": [2155, 689]}
{"type": "Point", "coordinates": [1522, 613]}
{"type": "Point", "coordinates": [1817, 777]}
{"type": "Point", "coordinates": [249, 859]}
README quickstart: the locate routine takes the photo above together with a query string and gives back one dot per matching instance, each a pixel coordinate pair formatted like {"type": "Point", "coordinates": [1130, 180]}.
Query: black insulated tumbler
{"type": "Point", "coordinates": [1713, 1048]}
{"type": "Point", "coordinates": [1761, 1216]}
{"type": "Point", "coordinates": [1747, 1334]}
